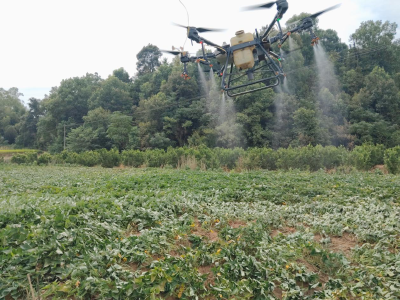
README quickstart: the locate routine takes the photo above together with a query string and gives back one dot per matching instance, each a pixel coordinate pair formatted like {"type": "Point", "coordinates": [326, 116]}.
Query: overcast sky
{"type": "Point", "coordinates": [45, 41]}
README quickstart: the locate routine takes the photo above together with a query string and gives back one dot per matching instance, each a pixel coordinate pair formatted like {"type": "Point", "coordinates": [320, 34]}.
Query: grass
{"type": "Point", "coordinates": [93, 233]}
{"type": "Point", "coordinates": [12, 151]}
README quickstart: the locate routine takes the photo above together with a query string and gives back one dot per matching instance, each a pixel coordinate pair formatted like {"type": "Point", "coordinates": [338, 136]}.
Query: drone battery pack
{"type": "Point", "coordinates": [243, 58]}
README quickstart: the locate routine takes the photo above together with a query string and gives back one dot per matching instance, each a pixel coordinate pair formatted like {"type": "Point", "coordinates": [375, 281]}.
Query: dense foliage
{"type": "Point", "coordinates": [337, 96]}
{"type": "Point", "coordinates": [94, 233]}
{"type": "Point", "coordinates": [363, 158]}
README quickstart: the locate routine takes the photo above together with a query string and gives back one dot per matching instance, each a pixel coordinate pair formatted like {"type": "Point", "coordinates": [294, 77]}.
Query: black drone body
{"type": "Point", "coordinates": [248, 63]}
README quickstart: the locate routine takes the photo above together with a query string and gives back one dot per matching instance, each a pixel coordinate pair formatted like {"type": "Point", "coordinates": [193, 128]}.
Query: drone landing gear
{"type": "Point", "coordinates": [264, 75]}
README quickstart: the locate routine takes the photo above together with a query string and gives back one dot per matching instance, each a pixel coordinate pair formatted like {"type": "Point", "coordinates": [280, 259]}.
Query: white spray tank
{"type": "Point", "coordinates": [243, 58]}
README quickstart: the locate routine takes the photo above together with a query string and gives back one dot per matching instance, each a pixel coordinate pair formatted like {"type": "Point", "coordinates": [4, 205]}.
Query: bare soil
{"type": "Point", "coordinates": [341, 244]}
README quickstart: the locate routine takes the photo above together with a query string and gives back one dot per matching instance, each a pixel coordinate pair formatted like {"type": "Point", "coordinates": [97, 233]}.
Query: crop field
{"type": "Point", "coordinates": [93, 233]}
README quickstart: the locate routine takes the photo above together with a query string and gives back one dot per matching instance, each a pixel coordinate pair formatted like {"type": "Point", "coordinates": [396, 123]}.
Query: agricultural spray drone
{"type": "Point", "coordinates": [248, 63]}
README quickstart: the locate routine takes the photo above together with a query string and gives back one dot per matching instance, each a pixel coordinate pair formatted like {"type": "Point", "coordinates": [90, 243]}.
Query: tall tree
{"type": "Point", "coordinates": [93, 134]}
{"type": "Point", "coordinates": [113, 95]}
{"type": "Point", "coordinates": [119, 130]}
{"type": "Point", "coordinates": [148, 59]}
{"type": "Point", "coordinates": [122, 75]}
{"type": "Point", "coordinates": [11, 111]}
{"type": "Point", "coordinates": [28, 131]}
{"type": "Point", "coordinates": [70, 99]}
{"type": "Point", "coordinates": [378, 36]}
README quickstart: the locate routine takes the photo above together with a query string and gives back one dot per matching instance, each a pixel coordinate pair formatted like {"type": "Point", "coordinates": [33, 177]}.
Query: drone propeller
{"type": "Point", "coordinates": [200, 29]}
{"type": "Point", "coordinates": [261, 6]}
{"type": "Point", "coordinates": [172, 52]}
{"type": "Point", "coordinates": [287, 53]}
{"type": "Point", "coordinates": [293, 50]}
{"type": "Point", "coordinates": [316, 15]}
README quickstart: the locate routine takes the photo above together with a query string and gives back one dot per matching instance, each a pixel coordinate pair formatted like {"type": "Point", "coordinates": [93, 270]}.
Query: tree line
{"type": "Point", "coordinates": [358, 102]}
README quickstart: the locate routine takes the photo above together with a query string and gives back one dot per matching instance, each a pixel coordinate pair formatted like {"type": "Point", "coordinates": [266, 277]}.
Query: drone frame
{"type": "Point", "coordinates": [272, 64]}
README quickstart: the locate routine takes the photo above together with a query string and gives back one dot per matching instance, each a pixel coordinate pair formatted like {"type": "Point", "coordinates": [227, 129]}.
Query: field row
{"type": "Point", "coordinates": [92, 233]}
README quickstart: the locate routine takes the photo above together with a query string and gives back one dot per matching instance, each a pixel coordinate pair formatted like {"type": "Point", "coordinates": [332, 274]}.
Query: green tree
{"type": "Point", "coordinates": [10, 134]}
{"type": "Point", "coordinates": [255, 114]}
{"type": "Point", "coordinates": [113, 95]}
{"type": "Point", "coordinates": [148, 59]}
{"type": "Point", "coordinates": [28, 131]}
{"type": "Point", "coordinates": [11, 112]}
{"type": "Point", "coordinates": [372, 34]}
{"type": "Point", "coordinates": [306, 126]}
{"type": "Point", "coordinates": [122, 75]}
{"type": "Point", "coordinates": [119, 129]}
{"type": "Point", "coordinates": [70, 99]}
{"type": "Point", "coordinates": [381, 95]}
{"type": "Point", "coordinates": [93, 134]}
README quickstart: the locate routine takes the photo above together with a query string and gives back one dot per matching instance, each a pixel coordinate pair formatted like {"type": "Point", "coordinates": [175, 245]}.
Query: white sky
{"type": "Point", "coordinates": [45, 41]}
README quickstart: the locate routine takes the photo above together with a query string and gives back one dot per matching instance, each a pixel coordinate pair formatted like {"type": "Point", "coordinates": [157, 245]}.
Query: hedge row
{"type": "Point", "coordinates": [307, 158]}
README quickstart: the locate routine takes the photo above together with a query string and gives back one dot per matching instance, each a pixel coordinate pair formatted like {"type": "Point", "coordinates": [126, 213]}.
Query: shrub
{"type": "Point", "coordinates": [366, 156]}
{"type": "Point", "coordinates": [334, 157]}
{"type": "Point", "coordinates": [133, 158]}
{"type": "Point", "coordinates": [392, 160]}
{"type": "Point", "coordinates": [26, 158]}
{"type": "Point", "coordinates": [71, 158]}
{"type": "Point", "coordinates": [287, 158]}
{"type": "Point", "coordinates": [208, 158]}
{"type": "Point", "coordinates": [173, 155]}
{"type": "Point", "coordinates": [89, 158]}
{"type": "Point", "coordinates": [110, 158]}
{"type": "Point", "coordinates": [19, 159]}
{"type": "Point", "coordinates": [58, 159]}
{"type": "Point", "coordinates": [31, 157]}
{"type": "Point", "coordinates": [310, 158]}
{"type": "Point", "coordinates": [44, 159]}
{"type": "Point", "coordinates": [229, 158]}
{"type": "Point", "coordinates": [155, 158]}
{"type": "Point", "coordinates": [259, 158]}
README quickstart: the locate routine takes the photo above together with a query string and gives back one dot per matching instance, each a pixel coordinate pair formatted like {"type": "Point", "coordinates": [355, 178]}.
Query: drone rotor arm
{"type": "Point", "coordinates": [272, 24]}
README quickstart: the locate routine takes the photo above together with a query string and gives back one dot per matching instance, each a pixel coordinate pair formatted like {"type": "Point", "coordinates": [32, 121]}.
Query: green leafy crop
{"type": "Point", "coordinates": [96, 233]}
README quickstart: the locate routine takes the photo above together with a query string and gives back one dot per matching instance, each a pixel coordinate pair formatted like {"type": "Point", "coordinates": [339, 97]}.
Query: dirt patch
{"type": "Point", "coordinates": [210, 275]}
{"type": "Point", "coordinates": [277, 292]}
{"type": "Point", "coordinates": [343, 244]}
{"type": "Point", "coordinates": [174, 253]}
{"type": "Point", "coordinates": [211, 234]}
{"type": "Point", "coordinates": [132, 230]}
{"type": "Point", "coordinates": [183, 242]}
{"type": "Point", "coordinates": [310, 267]}
{"type": "Point", "coordinates": [380, 167]}
{"type": "Point", "coordinates": [133, 267]}
{"type": "Point", "coordinates": [284, 231]}
{"type": "Point", "coordinates": [180, 243]}
{"type": "Point", "coordinates": [237, 224]}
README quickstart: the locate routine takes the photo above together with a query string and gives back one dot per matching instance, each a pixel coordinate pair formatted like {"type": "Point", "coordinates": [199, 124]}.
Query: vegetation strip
{"type": "Point", "coordinates": [94, 233]}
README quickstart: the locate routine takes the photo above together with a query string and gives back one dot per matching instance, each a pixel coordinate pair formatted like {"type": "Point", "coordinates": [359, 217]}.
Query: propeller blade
{"type": "Point", "coordinates": [179, 25]}
{"type": "Point", "coordinates": [200, 29]}
{"type": "Point", "coordinates": [316, 15]}
{"type": "Point", "coordinates": [171, 52]}
{"type": "Point", "coordinates": [294, 50]}
{"type": "Point", "coordinates": [261, 6]}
